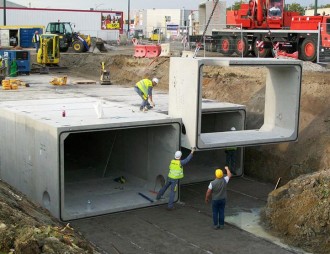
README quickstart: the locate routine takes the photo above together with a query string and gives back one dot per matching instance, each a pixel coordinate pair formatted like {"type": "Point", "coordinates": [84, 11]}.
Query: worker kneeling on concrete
{"type": "Point", "coordinates": [174, 175]}
{"type": "Point", "coordinates": [218, 191]}
{"type": "Point", "coordinates": [144, 89]}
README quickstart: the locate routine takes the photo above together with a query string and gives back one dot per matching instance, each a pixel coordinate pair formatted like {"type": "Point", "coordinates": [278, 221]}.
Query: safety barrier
{"type": "Point", "coordinates": [153, 50]}
{"type": "Point", "coordinates": [140, 51]}
{"type": "Point", "coordinates": [292, 55]}
{"type": "Point", "coordinates": [166, 49]}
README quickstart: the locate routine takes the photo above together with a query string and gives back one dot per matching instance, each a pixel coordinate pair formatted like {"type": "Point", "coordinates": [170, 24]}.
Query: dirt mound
{"type": "Point", "coordinates": [299, 212]}
{"type": "Point", "coordinates": [27, 228]}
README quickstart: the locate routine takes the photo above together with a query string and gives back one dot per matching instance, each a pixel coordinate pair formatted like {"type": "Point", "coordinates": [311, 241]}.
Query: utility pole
{"type": "Point", "coordinates": [128, 17]}
{"type": "Point", "coordinates": [315, 8]}
{"type": "Point", "coordinates": [4, 13]}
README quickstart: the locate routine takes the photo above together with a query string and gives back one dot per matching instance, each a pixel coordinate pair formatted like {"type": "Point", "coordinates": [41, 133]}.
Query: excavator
{"type": "Point", "coordinates": [49, 52]}
{"type": "Point", "coordinates": [69, 38]}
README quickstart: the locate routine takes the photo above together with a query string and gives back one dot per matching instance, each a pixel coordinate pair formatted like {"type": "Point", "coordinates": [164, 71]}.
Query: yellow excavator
{"type": "Point", "coordinates": [49, 52]}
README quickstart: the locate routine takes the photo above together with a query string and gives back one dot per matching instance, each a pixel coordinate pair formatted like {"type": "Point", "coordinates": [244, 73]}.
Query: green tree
{"type": "Point", "coordinates": [296, 7]}
{"type": "Point", "coordinates": [325, 6]}
{"type": "Point", "coordinates": [235, 6]}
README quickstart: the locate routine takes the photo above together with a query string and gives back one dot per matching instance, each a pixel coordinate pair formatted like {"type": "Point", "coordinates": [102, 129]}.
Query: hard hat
{"type": "Point", "coordinates": [218, 173]}
{"type": "Point", "coordinates": [156, 80]}
{"type": "Point", "coordinates": [177, 155]}
{"type": "Point", "coordinates": [233, 129]}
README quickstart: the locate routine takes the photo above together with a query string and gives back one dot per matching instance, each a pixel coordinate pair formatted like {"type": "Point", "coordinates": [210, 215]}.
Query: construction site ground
{"type": "Point", "coordinates": [188, 229]}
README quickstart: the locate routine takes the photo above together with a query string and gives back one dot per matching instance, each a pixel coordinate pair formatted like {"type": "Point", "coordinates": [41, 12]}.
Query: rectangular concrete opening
{"type": "Point", "coordinates": [204, 163]}
{"type": "Point", "coordinates": [104, 171]}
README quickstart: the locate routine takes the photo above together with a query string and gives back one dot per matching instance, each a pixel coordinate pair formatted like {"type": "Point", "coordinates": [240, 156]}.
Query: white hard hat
{"type": "Point", "coordinates": [177, 155]}
{"type": "Point", "coordinates": [233, 129]}
{"type": "Point", "coordinates": [156, 80]}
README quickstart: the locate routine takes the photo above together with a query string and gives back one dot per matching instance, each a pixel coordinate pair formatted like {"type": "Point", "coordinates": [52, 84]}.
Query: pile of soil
{"type": "Point", "coordinates": [299, 212]}
{"type": "Point", "coordinates": [27, 228]}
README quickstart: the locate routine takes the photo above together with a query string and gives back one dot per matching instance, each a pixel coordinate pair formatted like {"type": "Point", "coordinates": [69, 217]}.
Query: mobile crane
{"type": "Point", "coordinates": [264, 27]}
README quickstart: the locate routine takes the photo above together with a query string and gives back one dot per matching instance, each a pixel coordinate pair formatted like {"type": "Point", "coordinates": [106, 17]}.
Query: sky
{"type": "Point", "coordinates": [122, 5]}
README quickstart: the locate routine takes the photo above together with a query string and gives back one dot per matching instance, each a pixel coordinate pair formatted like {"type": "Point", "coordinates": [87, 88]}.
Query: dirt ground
{"type": "Point", "coordinates": [298, 211]}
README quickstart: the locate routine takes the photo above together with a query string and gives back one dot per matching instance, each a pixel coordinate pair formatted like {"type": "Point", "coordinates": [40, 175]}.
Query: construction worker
{"type": "Point", "coordinates": [218, 191]}
{"type": "Point", "coordinates": [144, 89]}
{"type": "Point", "coordinates": [174, 175]}
{"type": "Point", "coordinates": [36, 40]}
{"type": "Point", "coordinates": [231, 156]}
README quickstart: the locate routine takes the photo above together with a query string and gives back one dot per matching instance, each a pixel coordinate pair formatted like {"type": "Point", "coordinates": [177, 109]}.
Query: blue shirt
{"type": "Point", "coordinates": [186, 160]}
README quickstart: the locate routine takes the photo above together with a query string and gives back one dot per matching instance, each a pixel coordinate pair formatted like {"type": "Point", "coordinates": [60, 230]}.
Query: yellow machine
{"type": "Point", "coordinates": [105, 75]}
{"type": "Point", "coordinates": [157, 35]}
{"type": "Point", "coordinates": [49, 51]}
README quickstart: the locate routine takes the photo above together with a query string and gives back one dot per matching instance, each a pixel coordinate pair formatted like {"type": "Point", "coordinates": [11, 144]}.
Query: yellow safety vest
{"type": "Point", "coordinates": [176, 170]}
{"type": "Point", "coordinates": [34, 38]}
{"type": "Point", "coordinates": [144, 85]}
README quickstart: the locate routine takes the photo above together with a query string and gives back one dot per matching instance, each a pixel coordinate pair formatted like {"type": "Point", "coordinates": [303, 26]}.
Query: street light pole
{"type": "Point", "coordinates": [128, 17]}
{"type": "Point", "coordinates": [4, 13]}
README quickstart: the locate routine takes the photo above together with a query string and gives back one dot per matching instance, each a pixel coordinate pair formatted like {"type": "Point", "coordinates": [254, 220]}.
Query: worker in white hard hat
{"type": "Point", "coordinates": [174, 175]}
{"type": "Point", "coordinates": [231, 156]}
{"type": "Point", "coordinates": [144, 89]}
{"type": "Point", "coordinates": [36, 40]}
{"type": "Point", "coordinates": [217, 192]}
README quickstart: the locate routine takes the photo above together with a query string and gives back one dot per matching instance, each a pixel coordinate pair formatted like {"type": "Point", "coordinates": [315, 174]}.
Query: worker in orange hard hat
{"type": "Point", "coordinates": [218, 191]}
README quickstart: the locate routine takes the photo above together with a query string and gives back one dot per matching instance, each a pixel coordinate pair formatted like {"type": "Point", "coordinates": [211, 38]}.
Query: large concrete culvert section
{"type": "Point", "coordinates": [104, 171]}
{"type": "Point", "coordinates": [72, 165]}
{"type": "Point", "coordinates": [216, 117]}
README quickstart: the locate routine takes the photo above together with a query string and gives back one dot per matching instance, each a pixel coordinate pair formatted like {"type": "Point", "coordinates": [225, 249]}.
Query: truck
{"type": "Point", "coordinates": [264, 28]}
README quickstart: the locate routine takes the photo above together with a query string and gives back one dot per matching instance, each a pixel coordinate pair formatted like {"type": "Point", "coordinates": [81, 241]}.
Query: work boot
{"type": "Point", "coordinates": [221, 227]}
{"type": "Point", "coordinates": [145, 109]}
{"type": "Point", "coordinates": [170, 208]}
{"type": "Point", "coordinates": [141, 108]}
{"type": "Point", "coordinates": [149, 107]}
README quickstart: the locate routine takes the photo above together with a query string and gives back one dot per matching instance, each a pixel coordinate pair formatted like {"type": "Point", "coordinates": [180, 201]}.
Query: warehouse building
{"type": "Point", "coordinates": [97, 23]}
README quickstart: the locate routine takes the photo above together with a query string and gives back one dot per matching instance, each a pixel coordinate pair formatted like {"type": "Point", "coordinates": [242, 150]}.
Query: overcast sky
{"type": "Point", "coordinates": [121, 5]}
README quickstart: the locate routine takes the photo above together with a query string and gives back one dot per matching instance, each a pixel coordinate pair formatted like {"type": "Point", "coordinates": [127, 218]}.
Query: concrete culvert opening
{"type": "Point", "coordinates": [202, 166]}
{"type": "Point", "coordinates": [115, 170]}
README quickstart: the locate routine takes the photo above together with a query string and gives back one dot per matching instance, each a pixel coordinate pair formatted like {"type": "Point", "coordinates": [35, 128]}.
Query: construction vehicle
{"type": "Point", "coordinates": [49, 52]}
{"type": "Point", "coordinates": [156, 35]}
{"type": "Point", "coordinates": [264, 28]}
{"type": "Point", "coordinates": [69, 38]}
{"type": "Point", "coordinates": [105, 75]}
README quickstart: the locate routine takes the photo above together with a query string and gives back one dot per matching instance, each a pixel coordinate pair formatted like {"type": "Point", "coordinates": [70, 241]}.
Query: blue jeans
{"type": "Point", "coordinates": [144, 101]}
{"type": "Point", "coordinates": [170, 182]}
{"type": "Point", "coordinates": [218, 210]}
{"type": "Point", "coordinates": [37, 44]}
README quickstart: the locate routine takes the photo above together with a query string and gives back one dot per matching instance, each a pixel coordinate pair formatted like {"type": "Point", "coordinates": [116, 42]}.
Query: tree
{"type": "Point", "coordinates": [296, 7]}
{"type": "Point", "coordinates": [235, 6]}
{"type": "Point", "coordinates": [325, 6]}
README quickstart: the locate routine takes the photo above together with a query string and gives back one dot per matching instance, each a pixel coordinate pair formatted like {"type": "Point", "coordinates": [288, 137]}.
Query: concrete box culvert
{"type": "Point", "coordinates": [79, 165]}
{"type": "Point", "coordinates": [216, 117]}
{"type": "Point", "coordinates": [281, 109]}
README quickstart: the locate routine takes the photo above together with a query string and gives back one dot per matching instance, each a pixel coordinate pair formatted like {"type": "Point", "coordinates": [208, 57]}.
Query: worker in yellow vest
{"type": "Point", "coordinates": [174, 175]}
{"type": "Point", "coordinates": [36, 40]}
{"type": "Point", "coordinates": [144, 89]}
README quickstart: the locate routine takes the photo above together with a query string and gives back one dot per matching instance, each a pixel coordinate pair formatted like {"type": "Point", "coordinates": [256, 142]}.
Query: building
{"type": "Point", "coordinates": [97, 23]}
{"type": "Point", "coordinates": [167, 21]}
{"type": "Point", "coordinates": [321, 11]}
